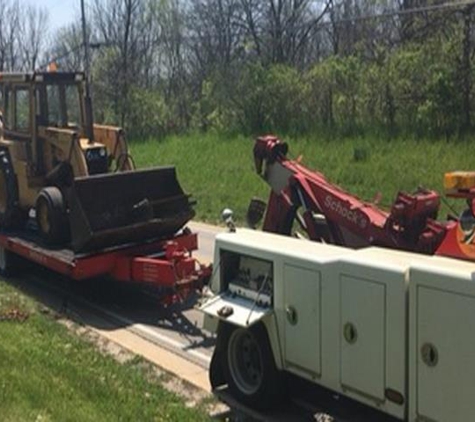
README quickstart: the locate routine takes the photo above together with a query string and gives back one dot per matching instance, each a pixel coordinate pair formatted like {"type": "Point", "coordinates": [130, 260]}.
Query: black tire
{"type": "Point", "coordinates": [216, 373]}
{"type": "Point", "coordinates": [10, 263]}
{"type": "Point", "coordinates": [249, 366]}
{"type": "Point", "coordinates": [51, 216]}
{"type": "Point", "coordinates": [11, 216]}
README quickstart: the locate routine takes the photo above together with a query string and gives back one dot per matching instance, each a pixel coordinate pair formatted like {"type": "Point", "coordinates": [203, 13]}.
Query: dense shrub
{"type": "Point", "coordinates": [415, 89]}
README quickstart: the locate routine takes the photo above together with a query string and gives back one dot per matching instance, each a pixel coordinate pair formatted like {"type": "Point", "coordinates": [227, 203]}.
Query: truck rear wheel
{"type": "Point", "coordinates": [249, 366]}
{"type": "Point", "coordinates": [51, 216]}
{"type": "Point", "coordinates": [216, 373]}
{"type": "Point", "coordinates": [11, 216]}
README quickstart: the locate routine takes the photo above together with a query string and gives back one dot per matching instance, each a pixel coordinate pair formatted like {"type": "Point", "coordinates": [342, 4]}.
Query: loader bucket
{"type": "Point", "coordinates": [129, 207]}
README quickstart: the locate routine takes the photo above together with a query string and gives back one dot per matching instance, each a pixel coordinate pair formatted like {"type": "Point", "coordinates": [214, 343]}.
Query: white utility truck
{"type": "Point", "coordinates": [390, 329]}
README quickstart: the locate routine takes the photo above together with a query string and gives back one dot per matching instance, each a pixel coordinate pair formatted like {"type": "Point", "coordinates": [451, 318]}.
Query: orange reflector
{"type": "Point", "coordinates": [459, 180]}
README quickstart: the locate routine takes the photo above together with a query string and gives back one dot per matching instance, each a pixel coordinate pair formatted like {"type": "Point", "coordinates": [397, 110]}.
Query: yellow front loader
{"type": "Point", "coordinates": [78, 177]}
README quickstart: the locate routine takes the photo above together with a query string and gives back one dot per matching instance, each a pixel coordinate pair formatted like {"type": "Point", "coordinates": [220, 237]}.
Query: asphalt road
{"type": "Point", "coordinates": [177, 327]}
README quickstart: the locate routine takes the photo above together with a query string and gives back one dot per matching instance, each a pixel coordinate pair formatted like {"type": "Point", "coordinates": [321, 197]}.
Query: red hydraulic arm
{"type": "Point", "coordinates": [327, 213]}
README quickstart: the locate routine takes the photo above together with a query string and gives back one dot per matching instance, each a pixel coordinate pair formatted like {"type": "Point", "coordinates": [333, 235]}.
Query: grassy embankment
{"type": "Point", "coordinates": [48, 374]}
{"type": "Point", "coordinates": [219, 170]}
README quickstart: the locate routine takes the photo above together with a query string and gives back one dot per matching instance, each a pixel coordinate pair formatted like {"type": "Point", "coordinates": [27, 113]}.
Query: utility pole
{"type": "Point", "coordinates": [89, 124]}
{"type": "Point", "coordinates": [85, 40]}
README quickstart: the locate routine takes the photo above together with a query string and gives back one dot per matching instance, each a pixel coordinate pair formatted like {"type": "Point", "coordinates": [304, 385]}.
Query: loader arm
{"type": "Point", "coordinates": [114, 140]}
{"type": "Point", "coordinates": [327, 213]}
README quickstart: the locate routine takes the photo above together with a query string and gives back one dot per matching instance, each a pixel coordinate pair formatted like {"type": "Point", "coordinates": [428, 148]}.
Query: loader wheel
{"type": "Point", "coordinates": [249, 366]}
{"type": "Point", "coordinates": [11, 216]}
{"type": "Point", "coordinates": [51, 216]}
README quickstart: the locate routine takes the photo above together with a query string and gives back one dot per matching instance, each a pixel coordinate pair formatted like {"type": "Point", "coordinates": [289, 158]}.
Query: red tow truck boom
{"type": "Point", "coordinates": [327, 213]}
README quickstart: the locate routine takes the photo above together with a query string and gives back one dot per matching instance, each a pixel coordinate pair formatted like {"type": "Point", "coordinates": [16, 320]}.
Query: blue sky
{"type": "Point", "coordinates": [61, 12]}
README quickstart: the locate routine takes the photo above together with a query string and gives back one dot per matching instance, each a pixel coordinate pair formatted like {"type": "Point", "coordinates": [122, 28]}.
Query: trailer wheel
{"type": "Point", "coordinates": [11, 216]}
{"type": "Point", "coordinates": [249, 366]}
{"type": "Point", "coordinates": [51, 216]}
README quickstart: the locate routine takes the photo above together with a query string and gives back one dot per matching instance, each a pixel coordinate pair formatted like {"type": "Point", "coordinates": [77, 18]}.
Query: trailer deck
{"type": "Point", "coordinates": [157, 262]}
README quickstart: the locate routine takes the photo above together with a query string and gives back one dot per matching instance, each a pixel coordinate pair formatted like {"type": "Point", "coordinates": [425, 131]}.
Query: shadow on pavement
{"type": "Point", "coordinates": [125, 304]}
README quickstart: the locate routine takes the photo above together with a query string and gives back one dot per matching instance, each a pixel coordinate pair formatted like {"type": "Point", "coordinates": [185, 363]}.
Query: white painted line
{"type": "Point", "coordinates": [174, 343]}
{"type": "Point", "coordinates": [141, 328]}
{"type": "Point", "coordinates": [208, 228]}
{"type": "Point", "coordinates": [137, 328]}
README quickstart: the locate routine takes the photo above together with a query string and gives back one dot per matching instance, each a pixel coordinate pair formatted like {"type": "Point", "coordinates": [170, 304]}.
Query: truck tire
{"type": "Point", "coordinates": [249, 366]}
{"type": "Point", "coordinates": [51, 216]}
{"type": "Point", "coordinates": [216, 373]}
{"type": "Point", "coordinates": [11, 216]}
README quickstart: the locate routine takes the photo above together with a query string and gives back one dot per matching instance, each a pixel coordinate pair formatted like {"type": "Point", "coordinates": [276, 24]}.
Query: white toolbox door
{"type": "Point", "coordinates": [241, 312]}
{"type": "Point", "coordinates": [302, 321]}
{"type": "Point", "coordinates": [362, 325]}
{"type": "Point", "coordinates": [445, 348]}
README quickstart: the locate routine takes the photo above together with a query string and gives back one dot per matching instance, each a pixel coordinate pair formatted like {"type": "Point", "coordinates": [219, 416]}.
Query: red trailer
{"type": "Point", "coordinates": [163, 263]}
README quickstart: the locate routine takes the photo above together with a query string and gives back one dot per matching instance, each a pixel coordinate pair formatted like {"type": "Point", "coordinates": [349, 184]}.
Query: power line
{"type": "Point", "coordinates": [318, 25]}
{"type": "Point", "coordinates": [384, 15]}
{"type": "Point", "coordinates": [416, 10]}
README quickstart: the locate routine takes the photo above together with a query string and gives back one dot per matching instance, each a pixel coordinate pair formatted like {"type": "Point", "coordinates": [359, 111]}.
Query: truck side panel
{"type": "Point", "coordinates": [362, 322]}
{"type": "Point", "coordinates": [441, 341]}
{"type": "Point", "coordinates": [303, 320]}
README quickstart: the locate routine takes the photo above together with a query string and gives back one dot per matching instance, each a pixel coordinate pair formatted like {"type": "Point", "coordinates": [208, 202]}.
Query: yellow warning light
{"type": "Point", "coordinates": [52, 67]}
{"type": "Point", "coordinates": [459, 181]}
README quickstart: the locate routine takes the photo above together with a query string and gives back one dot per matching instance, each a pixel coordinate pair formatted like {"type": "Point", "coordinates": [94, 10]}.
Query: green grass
{"type": "Point", "coordinates": [219, 170]}
{"type": "Point", "coordinates": [49, 374]}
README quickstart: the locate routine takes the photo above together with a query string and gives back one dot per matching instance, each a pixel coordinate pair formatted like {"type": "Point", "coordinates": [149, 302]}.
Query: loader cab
{"type": "Point", "coordinates": [33, 100]}
{"type": "Point", "coordinates": [15, 95]}
{"type": "Point", "coordinates": [58, 101]}
{"type": "Point", "coordinates": [33, 104]}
